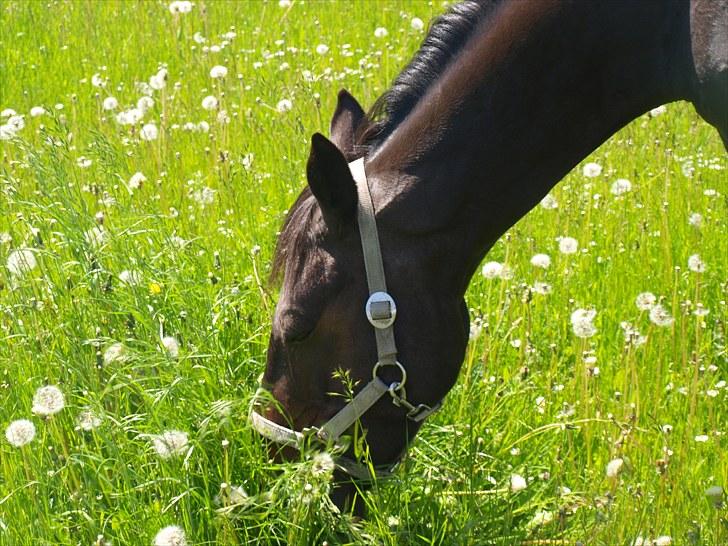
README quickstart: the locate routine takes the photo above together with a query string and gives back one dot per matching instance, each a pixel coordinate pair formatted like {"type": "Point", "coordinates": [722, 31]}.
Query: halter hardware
{"type": "Point", "coordinates": [381, 311]}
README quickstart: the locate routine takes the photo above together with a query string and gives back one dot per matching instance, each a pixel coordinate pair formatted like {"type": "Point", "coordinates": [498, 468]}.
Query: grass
{"type": "Point", "coordinates": [528, 402]}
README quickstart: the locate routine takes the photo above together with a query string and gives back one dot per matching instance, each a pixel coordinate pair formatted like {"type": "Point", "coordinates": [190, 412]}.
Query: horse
{"type": "Point", "coordinates": [501, 101]}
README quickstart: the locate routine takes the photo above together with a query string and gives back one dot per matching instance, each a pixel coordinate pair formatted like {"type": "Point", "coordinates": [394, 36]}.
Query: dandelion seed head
{"type": "Point", "coordinates": [149, 132]}
{"type": "Point", "coordinates": [614, 467]}
{"type": "Point", "coordinates": [130, 277]}
{"type": "Point", "coordinates": [645, 301]}
{"type": "Point", "coordinates": [417, 24]}
{"type": "Point", "coordinates": [568, 245]}
{"type": "Point", "coordinates": [116, 352]}
{"type": "Point", "coordinates": [322, 49]}
{"type": "Point", "coordinates": [518, 483]}
{"type": "Point", "coordinates": [110, 103]}
{"type": "Point", "coordinates": [180, 6]}
{"type": "Point", "coordinates": [209, 103]}
{"type": "Point", "coordinates": [88, 420]}
{"type": "Point", "coordinates": [48, 401]}
{"type": "Point", "coordinates": [549, 202]}
{"type": "Point", "coordinates": [696, 220]}
{"type": "Point", "coordinates": [695, 264]}
{"type": "Point", "coordinates": [491, 270]}
{"type": "Point", "coordinates": [284, 105]}
{"type": "Point", "coordinates": [660, 316]}
{"type": "Point", "coordinates": [322, 465]}
{"type": "Point", "coordinates": [145, 104]}
{"type": "Point", "coordinates": [380, 32]}
{"type": "Point", "coordinates": [37, 111]}
{"type": "Point", "coordinates": [171, 346]}
{"type": "Point", "coordinates": [621, 186]}
{"type": "Point", "coordinates": [541, 260]}
{"type": "Point", "coordinates": [21, 262]}
{"type": "Point", "coordinates": [170, 443]}
{"type": "Point", "coordinates": [592, 170]}
{"type": "Point", "coordinates": [582, 323]}
{"type": "Point", "coordinates": [171, 535]}
{"type": "Point", "coordinates": [218, 71]}
{"type": "Point", "coordinates": [20, 432]}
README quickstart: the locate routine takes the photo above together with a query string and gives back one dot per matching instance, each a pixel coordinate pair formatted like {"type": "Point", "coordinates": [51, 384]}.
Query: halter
{"type": "Point", "coordinates": [381, 311]}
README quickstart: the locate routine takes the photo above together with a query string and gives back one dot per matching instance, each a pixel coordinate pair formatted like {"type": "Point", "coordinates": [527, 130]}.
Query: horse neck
{"type": "Point", "coordinates": [542, 86]}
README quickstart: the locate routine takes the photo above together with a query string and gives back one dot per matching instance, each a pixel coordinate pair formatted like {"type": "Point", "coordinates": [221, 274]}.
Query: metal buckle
{"type": "Point", "coordinates": [381, 310]}
{"type": "Point", "coordinates": [396, 385]}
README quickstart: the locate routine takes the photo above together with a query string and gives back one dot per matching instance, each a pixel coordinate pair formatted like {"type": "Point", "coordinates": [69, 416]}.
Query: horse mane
{"type": "Point", "coordinates": [447, 37]}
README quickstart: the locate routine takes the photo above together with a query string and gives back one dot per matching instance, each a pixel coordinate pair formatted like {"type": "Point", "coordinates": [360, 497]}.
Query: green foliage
{"type": "Point", "coordinates": [186, 256]}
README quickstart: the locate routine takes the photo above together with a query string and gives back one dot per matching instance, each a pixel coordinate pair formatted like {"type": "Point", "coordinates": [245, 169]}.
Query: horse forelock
{"type": "Point", "coordinates": [295, 235]}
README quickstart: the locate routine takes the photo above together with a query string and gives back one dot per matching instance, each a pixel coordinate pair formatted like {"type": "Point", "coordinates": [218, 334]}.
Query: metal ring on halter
{"type": "Point", "coordinates": [400, 383]}
{"type": "Point", "coordinates": [381, 310]}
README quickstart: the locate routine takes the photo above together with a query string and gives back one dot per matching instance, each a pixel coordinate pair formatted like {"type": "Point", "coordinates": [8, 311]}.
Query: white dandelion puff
{"type": "Point", "coordinates": [491, 270]}
{"type": "Point", "coordinates": [37, 111]}
{"type": "Point", "coordinates": [518, 483]}
{"type": "Point", "coordinates": [110, 103]}
{"type": "Point", "coordinates": [171, 535]}
{"type": "Point", "coordinates": [660, 316]}
{"type": "Point", "coordinates": [284, 105]}
{"type": "Point", "coordinates": [96, 237]}
{"type": "Point", "coordinates": [322, 49]}
{"type": "Point", "coordinates": [592, 170]}
{"type": "Point", "coordinates": [116, 352]}
{"type": "Point", "coordinates": [568, 245]}
{"type": "Point", "coordinates": [159, 80]}
{"type": "Point", "coordinates": [145, 104]}
{"type": "Point", "coordinates": [149, 132]}
{"type": "Point", "coordinates": [322, 465]}
{"type": "Point", "coordinates": [645, 301]}
{"type": "Point", "coordinates": [541, 260]}
{"type": "Point", "coordinates": [84, 162]}
{"type": "Point", "coordinates": [48, 401]}
{"type": "Point", "coordinates": [130, 277]}
{"type": "Point", "coordinates": [695, 264]}
{"type": "Point", "coordinates": [614, 467]}
{"type": "Point", "coordinates": [98, 81]}
{"type": "Point", "coordinates": [136, 181]}
{"type": "Point", "coordinates": [180, 6]}
{"type": "Point", "coordinates": [285, 3]}
{"type": "Point", "coordinates": [21, 262]}
{"type": "Point", "coordinates": [209, 103]}
{"type": "Point", "coordinates": [170, 443]}
{"type": "Point", "coordinates": [696, 220]}
{"type": "Point", "coordinates": [621, 186]}
{"type": "Point", "coordinates": [658, 111]}
{"type": "Point", "coordinates": [88, 420]}
{"type": "Point", "coordinates": [171, 346]}
{"type": "Point", "coordinates": [582, 323]}
{"type": "Point", "coordinates": [549, 202]}
{"type": "Point", "coordinates": [218, 72]}
{"type": "Point", "coordinates": [380, 32]}
{"type": "Point", "coordinates": [663, 540]}
{"type": "Point", "coordinates": [417, 24]}
{"type": "Point", "coordinates": [20, 432]}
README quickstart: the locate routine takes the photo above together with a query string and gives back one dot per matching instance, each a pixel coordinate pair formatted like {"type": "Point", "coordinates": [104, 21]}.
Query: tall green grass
{"type": "Point", "coordinates": [529, 402]}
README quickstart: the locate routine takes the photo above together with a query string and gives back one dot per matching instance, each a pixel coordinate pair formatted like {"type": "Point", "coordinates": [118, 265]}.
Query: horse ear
{"type": "Point", "coordinates": [347, 117]}
{"type": "Point", "coordinates": [331, 182]}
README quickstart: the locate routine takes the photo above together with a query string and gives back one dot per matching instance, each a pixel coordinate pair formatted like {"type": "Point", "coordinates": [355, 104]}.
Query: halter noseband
{"type": "Point", "coordinates": [381, 312]}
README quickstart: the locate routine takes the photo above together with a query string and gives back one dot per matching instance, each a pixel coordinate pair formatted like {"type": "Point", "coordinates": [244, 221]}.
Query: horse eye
{"type": "Point", "coordinates": [297, 336]}
{"type": "Point", "coordinates": [294, 328]}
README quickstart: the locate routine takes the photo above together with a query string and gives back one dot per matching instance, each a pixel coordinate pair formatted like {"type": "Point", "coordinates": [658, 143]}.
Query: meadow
{"type": "Point", "coordinates": [148, 154]}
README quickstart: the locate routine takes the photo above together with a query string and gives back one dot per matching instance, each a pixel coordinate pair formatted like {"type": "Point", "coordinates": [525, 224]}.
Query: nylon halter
{"type": "Point", "coordinates": [381, 311]}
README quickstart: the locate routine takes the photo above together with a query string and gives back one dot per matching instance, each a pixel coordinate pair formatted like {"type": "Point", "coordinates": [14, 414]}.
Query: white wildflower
{"type": "Point", "coordinates": [660, 316]}
{"type": "Point", "coordinates": [204, 196]}
{"type": "Point", "coordinates": [591, 170]}
{"type": "Point", "coordinates": [88, 420]}
{"type": "Point", "coordinates": [20, 432]}
{"type": "Point", "coordinates": [322, 465]}
{"type": "Point", "coordinates": [541, 288]}
{"type": "Point", "coordinates": [284, 105]}
{"type": "Point", "coordinates": [21, 262]}
{"type": "Point", "coordinates": [149, 132]}
{"type": "Point", "coordinates": [568, 245]}
{"type": "Point", "coordinates": [218, 71]}
{"type": "Point", "coordinates": [171, 535]}
{"type": "Point", "coordinates": [582, 323]}
{"type": "Point", "coordinates": [702, 438]}
{"type": "Point", "coordinates": [37, 111]}
{"type": "Point", "coordinates": [658, 111]}
{"type": "Point", "coordinates": [541, 260]}
{"type": "Point", "coordinates": [614, 467]}
{"type": "Point", "coordinates": [540, 518]}
{"type": "Point", "coordinates": [136, 181]}
{"type": "Point", "coordinates": [645, 301]}
{"type": "Point", "coordinates": [696, 220]}
{"type": "Point", "coordinates": [549, 202]}
{"type": "Point", "coordinates": [285, 3]}
{"type": "Point", "coordinates": [380, 32]}
{"type": "Point", "coordinates": [145, 104]}
{"type": "Point", "coordinates": [110, 103]}
{"type": "Point", "coordinates": [84, 162]}
{"type": "Point", "coordinates": [209, 103]}
{"type": "Point", "coordinates": [663, 540]}
{"type": "Point", "coordinates": [417, 24]}
{"type": "Point", "coordinates": [116, 352]}
{"type": "Point", "coordinates": [695, 264]}
{"type": "Point", "coordinates": [159, 80]}
{"type": "Point", "coordinates": [170, 443]}
{"type": "Point", "coordinates": [171, 346]}
{"type": "Point", "coordinates": [491, 270]}
{"type": "Point", "coordinates": [48, 400]}
{"type": "Point", "coordinates": [129, 117]}
{"type": "Point", "coordinates": [322, 49]}
{"type": "Point", "coordinates": [518, 483]}
{"type": "Point", "coordinates": [98, 81]}
{"type": "Point", "coordinates": [130, 278]}
{"type": "Point", "coordinates": [180, 6]}
{"type": "Point", "coordinates": [96, 237]}
{"type": "Point", "coordinates": [621, 186]}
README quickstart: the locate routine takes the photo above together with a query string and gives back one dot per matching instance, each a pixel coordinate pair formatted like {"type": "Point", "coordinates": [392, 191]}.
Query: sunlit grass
{"type": "Point", "coordinates": [186, 256]}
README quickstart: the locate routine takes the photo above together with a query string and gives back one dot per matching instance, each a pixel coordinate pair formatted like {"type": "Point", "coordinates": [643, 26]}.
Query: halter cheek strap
{"type": "Point", "coordinates": [381, 311]}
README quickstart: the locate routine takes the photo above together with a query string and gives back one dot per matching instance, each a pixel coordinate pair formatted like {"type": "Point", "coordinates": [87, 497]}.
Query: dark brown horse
{"type": "Point", "coordinates": [501, 101]}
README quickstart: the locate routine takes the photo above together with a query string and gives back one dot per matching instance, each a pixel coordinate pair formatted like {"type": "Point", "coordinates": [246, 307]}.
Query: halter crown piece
{"type": "Point", "coordinates": [381, 311]}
